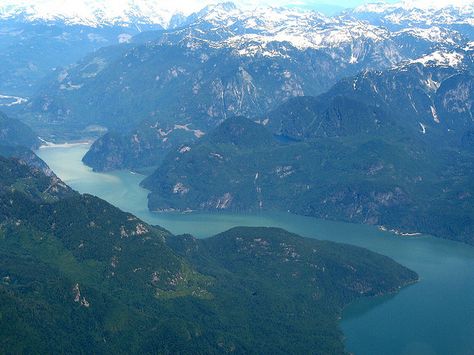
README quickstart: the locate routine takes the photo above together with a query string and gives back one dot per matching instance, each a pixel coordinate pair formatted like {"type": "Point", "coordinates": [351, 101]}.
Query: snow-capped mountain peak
{"type": "Point", "coordinates": [93, 13]}
{"type": "Point", "coordinates": [250, 30]}
{"type": "Point", "coordinates": [272, 31]}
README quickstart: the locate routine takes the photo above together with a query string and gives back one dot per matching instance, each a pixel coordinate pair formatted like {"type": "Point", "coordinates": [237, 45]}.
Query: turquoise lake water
{"type": "Point", "coordinates": [434, 316]}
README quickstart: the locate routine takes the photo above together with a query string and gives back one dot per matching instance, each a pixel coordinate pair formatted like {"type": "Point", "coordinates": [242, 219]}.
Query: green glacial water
{"type": "Point", "coordinates": [434, 316]}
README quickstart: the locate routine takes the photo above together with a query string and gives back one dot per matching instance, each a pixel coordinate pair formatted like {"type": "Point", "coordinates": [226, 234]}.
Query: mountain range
{"type": "Point", "coordinates": [365, 116]}
{"type": "Point", "coordinates": [173, 86]}
{"type": "Point", "coordinates": [390, 84]}
{"type": "Point", "coordinates": [37, 37]}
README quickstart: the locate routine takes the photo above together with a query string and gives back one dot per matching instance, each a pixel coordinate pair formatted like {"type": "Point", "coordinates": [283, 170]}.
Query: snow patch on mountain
{"type": "Point", "coordinates": [441, 58]}
{"type": "Point", "coordinates": [314, 38]}
{"type": "Point", "coordinates": [271, 31]}
{"type": "Point", "coordinates": [433, 34]}
{"type": "Point", "coordinates": [469, 46]}
{"type": "Point", "coordinates": [260, 31]}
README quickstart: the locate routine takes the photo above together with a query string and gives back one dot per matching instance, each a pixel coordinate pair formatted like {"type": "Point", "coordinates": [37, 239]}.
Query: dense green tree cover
{"type": "Point", "coordinates": [391, 148]}
{"type": "Point", "coordinates": [140, 148]}
{"type": "Point", "coordinates": [399, 181]}
{"type": "Point", "coordinates": [77, 275]}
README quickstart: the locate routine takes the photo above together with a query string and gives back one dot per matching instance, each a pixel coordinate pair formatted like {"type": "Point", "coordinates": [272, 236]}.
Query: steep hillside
{"type": "Point", "coordinates": [430, 102]}
{"type": "Point", "coordinates": [26, 156]}
{"type": "Point", "coordinates": [264, 270]}
{"type": "Point", "coordinates": [16, 133]}
{"type": "Point", "coordinates": [338, 158]}
{"type": "Point", "coordinates": [17, 140]}
{"type": "Point", "coordinates": [77, 273]}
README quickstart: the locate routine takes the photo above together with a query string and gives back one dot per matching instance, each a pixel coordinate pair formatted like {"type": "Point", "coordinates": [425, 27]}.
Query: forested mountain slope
{"type": "Point", "coordinates": [73, 264]}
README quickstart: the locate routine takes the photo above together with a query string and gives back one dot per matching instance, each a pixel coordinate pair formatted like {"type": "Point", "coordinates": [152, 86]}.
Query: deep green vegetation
{"type": "Point", "coordinates": [344, 157]}
{"type": "Point", "coordinates": [78, 275]}
{"type": "Point", "coordinates": [390, 147]}
{"type": "Point", "coordinates": [142, 147]}
{"type": "Point", "coordinates": [429, 104]}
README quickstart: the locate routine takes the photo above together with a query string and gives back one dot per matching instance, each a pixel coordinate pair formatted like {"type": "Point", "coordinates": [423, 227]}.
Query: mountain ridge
{"type": "Point", "coordinates": [74, 264]}
{"type": "Point", "coordinates": [387, 148]}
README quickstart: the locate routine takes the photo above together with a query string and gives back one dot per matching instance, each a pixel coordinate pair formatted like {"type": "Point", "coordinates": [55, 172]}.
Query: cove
{"type": "Point", "coordinates": [434, 316]}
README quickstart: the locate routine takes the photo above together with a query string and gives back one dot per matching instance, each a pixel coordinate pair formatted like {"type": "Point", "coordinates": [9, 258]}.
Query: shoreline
{"type": "Point", "coordinates": [399, 232]}
{"type": "Point", "coordinates": [51, 145]}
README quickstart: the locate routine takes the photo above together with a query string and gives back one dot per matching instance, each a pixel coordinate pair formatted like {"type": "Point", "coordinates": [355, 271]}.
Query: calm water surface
{"type": "Point", "coordinates": [435, 316]}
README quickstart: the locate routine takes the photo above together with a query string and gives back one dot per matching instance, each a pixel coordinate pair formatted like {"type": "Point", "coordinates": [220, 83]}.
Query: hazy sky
{"type": "Point", "coordinates": [339, 3]}
{"type": "Point", "coordinates": [188, 6]}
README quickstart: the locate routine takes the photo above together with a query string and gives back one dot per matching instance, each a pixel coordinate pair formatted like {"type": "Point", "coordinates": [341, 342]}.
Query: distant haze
{"type": "Point", "coordinates": [189, 6]}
